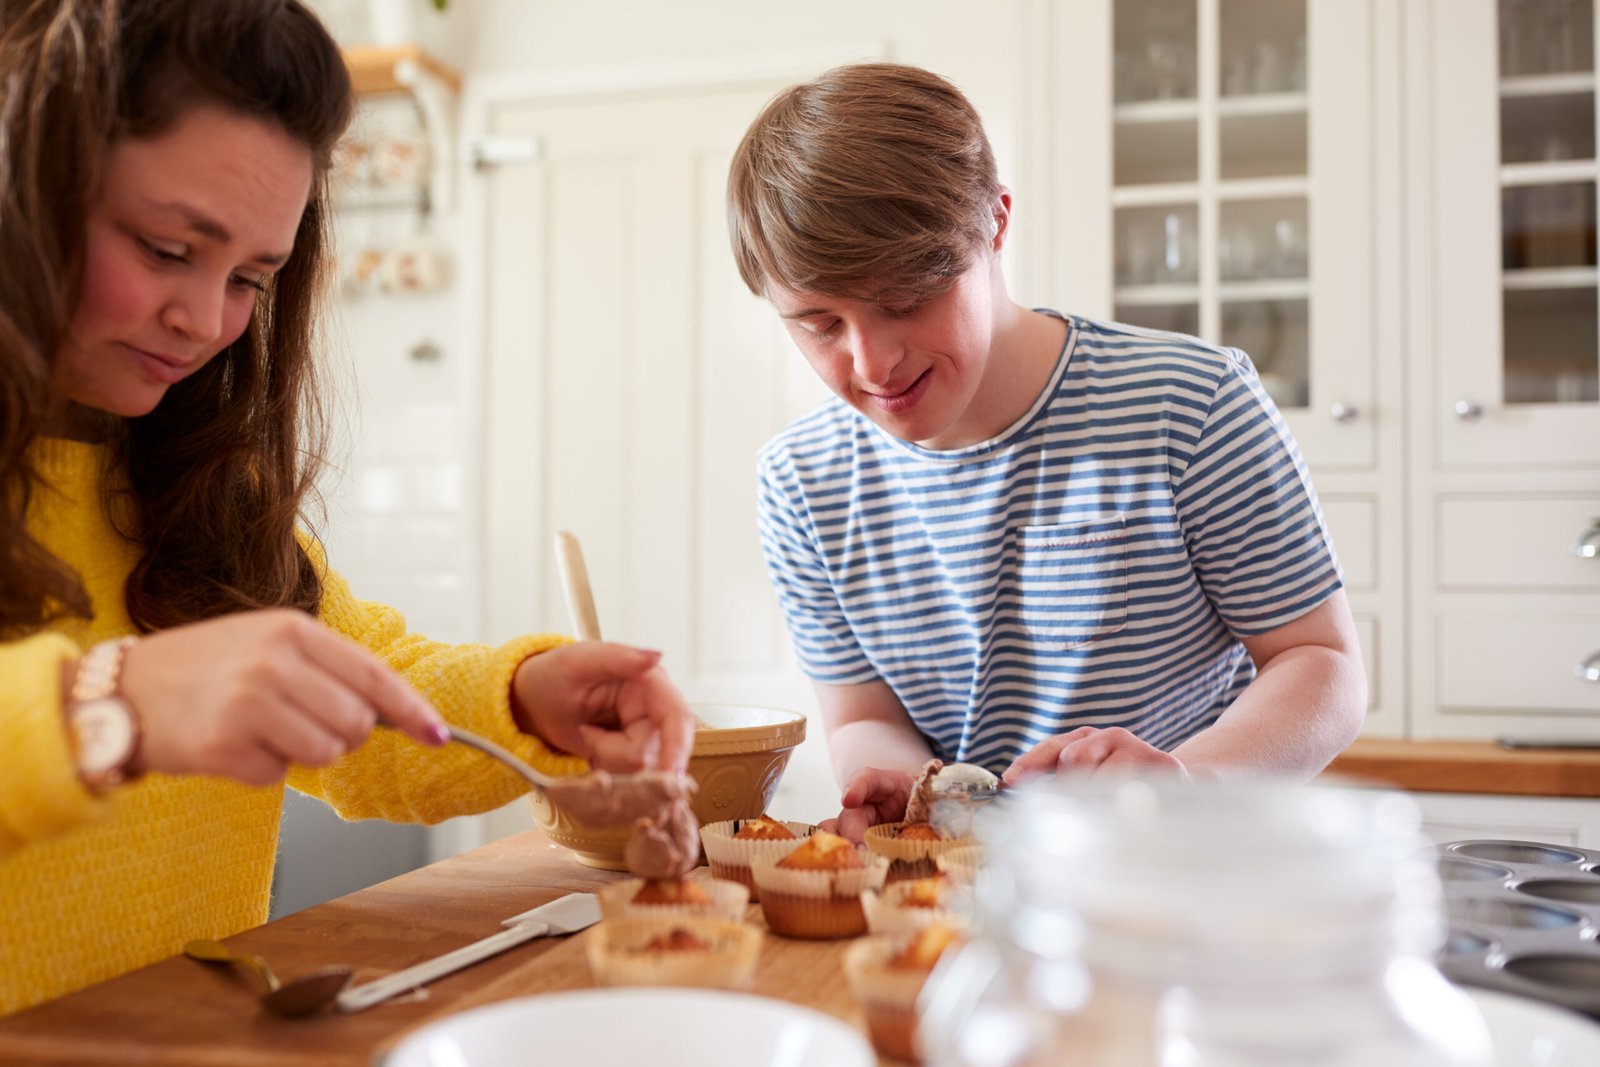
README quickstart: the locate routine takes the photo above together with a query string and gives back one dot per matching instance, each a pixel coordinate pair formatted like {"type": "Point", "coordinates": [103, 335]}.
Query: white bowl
{"type": "Point", "coordinates": [627, 1027]}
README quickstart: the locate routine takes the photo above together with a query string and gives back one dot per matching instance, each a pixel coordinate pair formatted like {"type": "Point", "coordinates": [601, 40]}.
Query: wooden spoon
{"type": "Point", "coordinates": [575, 583]}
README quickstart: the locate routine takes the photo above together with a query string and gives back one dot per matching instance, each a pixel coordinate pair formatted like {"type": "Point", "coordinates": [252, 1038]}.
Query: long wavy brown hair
{"type": "Point", "coordinates": [217, 475]}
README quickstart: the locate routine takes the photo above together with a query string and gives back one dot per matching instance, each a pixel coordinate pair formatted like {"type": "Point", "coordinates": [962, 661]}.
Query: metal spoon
{"type": "Point", "coordinates": [488, 747]}
{"type": "Point", "coordinates": [303, 996]}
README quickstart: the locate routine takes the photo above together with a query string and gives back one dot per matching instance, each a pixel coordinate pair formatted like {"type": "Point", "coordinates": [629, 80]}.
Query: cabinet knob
{"type": "Point", "coordinates": [1588, 546]}
{"type": "Point", "coordinates": [1589, 669]}
{"type": "Point", "coordinates": [1468, 410]}
{"type": "Point", "coordinates": [1343, 412]}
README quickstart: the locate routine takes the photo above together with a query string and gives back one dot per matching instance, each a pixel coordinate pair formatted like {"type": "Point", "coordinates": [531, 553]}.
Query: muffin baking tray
{"type": "Point", "coordinates": [1524, 918]}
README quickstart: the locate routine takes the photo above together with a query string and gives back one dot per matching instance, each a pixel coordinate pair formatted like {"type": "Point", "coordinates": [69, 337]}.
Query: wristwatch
{"type": "Point", "coordinates": [104, 726]}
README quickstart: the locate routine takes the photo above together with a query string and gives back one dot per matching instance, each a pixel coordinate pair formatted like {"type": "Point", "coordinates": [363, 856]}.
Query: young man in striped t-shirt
{"type": "Point", "coordinates": [1015, 538]}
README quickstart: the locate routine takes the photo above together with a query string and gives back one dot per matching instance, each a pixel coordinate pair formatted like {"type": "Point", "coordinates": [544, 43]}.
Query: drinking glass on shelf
{"type": "Point", "coordinates": [1164, 60]}
{"type": "Point", "coordinates": [1177, 250]}
{"type": "Point", "coordinates": [1237, 252]}
{"type": "Point", "coordinates": [1289, 248]}
{"type": "Point", "coordinates": [1268, 68]}
{"type": "Point", "coordinates": [1236, 74]}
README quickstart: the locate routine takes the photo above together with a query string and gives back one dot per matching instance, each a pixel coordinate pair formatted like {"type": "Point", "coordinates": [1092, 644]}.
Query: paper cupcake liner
{"type": "Point", "coordinates": [887, 915]}
{"type": "Point", "coordinates": [615, 956]}
{"type": "Point", "coordinates": [911, 859]}
{"type": "Point", "coordinates": [799, 882]}
{"type": "Point", "coordinates": [961, 864]}
{"type": "Point", "coordinates": [728, 899]}
{"type": "Point", "coordinates": [813, 918]}
{"type": "Point", "coordinates": [887, 995]}
{"type": "Point", "coordinates": [881, 840]}
{"type": "Point", "coordinates": [730, 857]}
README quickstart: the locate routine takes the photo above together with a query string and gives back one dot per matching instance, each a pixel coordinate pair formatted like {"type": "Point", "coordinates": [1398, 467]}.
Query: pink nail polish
{"type": "Point", "coordinates": [440, 733]}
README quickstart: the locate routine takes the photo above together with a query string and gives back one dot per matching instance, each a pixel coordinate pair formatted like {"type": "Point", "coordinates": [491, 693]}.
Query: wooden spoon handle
{"type": "Point", "coordinates": [575, 582]}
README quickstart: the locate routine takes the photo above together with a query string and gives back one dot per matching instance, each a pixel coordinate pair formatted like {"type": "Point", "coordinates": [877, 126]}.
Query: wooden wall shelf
{"type": "Point", "coordinates": [1474, 767]}
{"type": "Point", "coordinates": [373, 69]}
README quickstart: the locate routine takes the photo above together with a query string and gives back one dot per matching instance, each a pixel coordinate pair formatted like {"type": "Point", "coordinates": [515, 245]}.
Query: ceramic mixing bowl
{"type": "Point", "coordinates": [739, 755]}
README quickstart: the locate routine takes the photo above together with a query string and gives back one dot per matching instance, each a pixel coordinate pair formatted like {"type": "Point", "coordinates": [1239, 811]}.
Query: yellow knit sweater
{"type": "Point", "coordinates": [91, 887]}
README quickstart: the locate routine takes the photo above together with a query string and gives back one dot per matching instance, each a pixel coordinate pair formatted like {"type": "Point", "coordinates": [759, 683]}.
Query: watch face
{"type": "Point", "coordinates": [104, 729]}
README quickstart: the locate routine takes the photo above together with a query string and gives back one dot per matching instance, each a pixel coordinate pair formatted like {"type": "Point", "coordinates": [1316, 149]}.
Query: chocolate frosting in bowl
{"type": "Point", "coordinates": [665, 841]}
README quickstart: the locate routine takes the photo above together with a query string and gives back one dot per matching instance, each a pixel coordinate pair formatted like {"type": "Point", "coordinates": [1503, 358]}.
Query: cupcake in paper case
{"type": "Point", "coordinates": [912, 847]}
{"type": "Point", "coordinates": [886, 974]}
{"type": "Point", "coordinates": [697, 893]}
{"type": "Point", "coordinates": [674, 951]}
{"type": "Point", "coordinates": [814, 891]}
{"type": "Point", "coordinates": [908, 905]}
{"type": "Point", "coordinates": [732, 845]}
{"type": "Point", "coordinates": [960, 863]}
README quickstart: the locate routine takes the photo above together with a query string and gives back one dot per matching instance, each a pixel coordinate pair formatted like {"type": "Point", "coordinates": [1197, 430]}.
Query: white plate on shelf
{"type": "Point", "coordinates": [628, 1027]}
{"type": "Point", "coordinates": [1529, 1033]}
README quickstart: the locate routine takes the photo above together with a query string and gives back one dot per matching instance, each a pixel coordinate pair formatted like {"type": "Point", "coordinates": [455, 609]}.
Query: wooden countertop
{"type": "Point", "coordinates": [180, 1012]}
{"type": "Point", "coordinates": [1474, 767]}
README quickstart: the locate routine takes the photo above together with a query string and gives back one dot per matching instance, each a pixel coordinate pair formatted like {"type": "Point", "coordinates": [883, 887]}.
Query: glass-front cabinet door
{"type": "Point", "coordinates": [1241, 196]}
{"type": "Point", "coordinates": [1518, 380]}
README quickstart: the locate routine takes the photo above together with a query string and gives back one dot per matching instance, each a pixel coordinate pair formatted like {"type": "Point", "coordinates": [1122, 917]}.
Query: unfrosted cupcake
{"type": "Point", "coordinates": [886, 974]}
{"type": "Point", "coordinates": [731, 846]}
{"type": "Point", "coordinates": [908, 905]}
{"type": "Point", "coordinates": [697, 893]}
{"type": "Point", "coordinates": [815, 890]}
{"type": "Point", "coordinates": [912, 848]}
{"type": "Point", "coordinates": [674, 951]}
{"type": "Point", "coordinates": [960, 863]}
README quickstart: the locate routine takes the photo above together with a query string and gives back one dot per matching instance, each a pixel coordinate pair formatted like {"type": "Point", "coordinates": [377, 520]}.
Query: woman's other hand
{"type": "Point", "coordinates": [1091, 749]}
{"type": "Point", "coordinates": [246, 695]}
{"type": "Point", "coordinates": [872, 796]}
{"type": "Point", "coordinates": [611, 704]}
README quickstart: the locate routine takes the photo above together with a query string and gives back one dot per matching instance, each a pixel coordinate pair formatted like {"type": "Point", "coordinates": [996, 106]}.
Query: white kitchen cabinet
{"type": "Point", "coordinates": [1505, 333]}
{"type": "Point", "coordinates": [1236, 179]}
{"type": "Point", "coordinates": [1462, 816]}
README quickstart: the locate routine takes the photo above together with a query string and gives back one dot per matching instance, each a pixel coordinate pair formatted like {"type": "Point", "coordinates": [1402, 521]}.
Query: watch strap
{"type": "Point", "coordinates": [100, 670]}
{"type": "Point", "coordinates": [98, 684]}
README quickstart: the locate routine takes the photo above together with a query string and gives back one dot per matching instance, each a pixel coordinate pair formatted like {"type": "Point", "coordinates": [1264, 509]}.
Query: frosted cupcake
{"type": "Point", "coordinates": [906, 906]}
{"type": "Point", "coordinates": [815, 890]}
{"type": "Point", "coordinates": [887, 974]}
{"type": "Point", "coordinates": [731, 846]}
{"type": "Point", "coordinates": [680, 951]}
{"type": "Point", "coordinates": [695, 894]}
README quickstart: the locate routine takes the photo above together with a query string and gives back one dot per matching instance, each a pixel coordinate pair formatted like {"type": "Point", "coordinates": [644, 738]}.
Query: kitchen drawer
{"type": "Point", "coordinates": [1515, 542]}
{"type": "Point", "coordinates": [1352, 522]}
{"type": "Point", "coordinates": [1494, 662]}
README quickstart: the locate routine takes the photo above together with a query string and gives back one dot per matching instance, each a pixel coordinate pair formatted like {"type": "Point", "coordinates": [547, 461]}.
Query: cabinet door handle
{"type": "Point", "coordinates": [1588, 546]}
{"type": "Point", "coordinates": [1343, 412]}
{"type": "Point", "coordinates": [1468, 410]}
{"type": "Point", "coordinates": [1589, 669]}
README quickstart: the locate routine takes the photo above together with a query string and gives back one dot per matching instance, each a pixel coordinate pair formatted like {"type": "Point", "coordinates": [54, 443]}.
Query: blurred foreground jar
{"type": "Point", "coordinates": [1135, 923]}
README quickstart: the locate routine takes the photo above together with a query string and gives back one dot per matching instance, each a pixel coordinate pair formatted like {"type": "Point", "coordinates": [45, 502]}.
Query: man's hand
{"type": "Point", "coordinates": [1092, 750]}
{"type": "Point", "coordinates": [873, 796]}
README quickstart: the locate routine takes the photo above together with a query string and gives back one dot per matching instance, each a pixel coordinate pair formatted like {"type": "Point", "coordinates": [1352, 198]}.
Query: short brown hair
{"type": "Point", "coordinates": [873, 181]}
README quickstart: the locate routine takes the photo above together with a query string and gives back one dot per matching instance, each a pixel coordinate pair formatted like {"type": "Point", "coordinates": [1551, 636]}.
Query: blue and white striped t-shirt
{"type": "Point", "coordinates": [1090, 566]}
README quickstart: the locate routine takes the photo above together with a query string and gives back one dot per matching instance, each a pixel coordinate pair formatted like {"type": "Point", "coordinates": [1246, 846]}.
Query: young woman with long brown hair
{"type": "Point", "coordinates": [172, 644]}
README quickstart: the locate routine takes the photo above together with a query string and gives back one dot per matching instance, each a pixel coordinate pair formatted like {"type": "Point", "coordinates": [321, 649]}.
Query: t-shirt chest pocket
{"type": "Point", "coordinates": [1072, 580]}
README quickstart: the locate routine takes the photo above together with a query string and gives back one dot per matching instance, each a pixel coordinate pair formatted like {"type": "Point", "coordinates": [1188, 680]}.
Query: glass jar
{"type": "Point", "coordinates": [1141, 923]}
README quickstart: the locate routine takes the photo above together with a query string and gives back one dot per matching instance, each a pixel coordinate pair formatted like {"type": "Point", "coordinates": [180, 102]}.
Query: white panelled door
{"type": "Point", "coordinates": [630, 380]}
